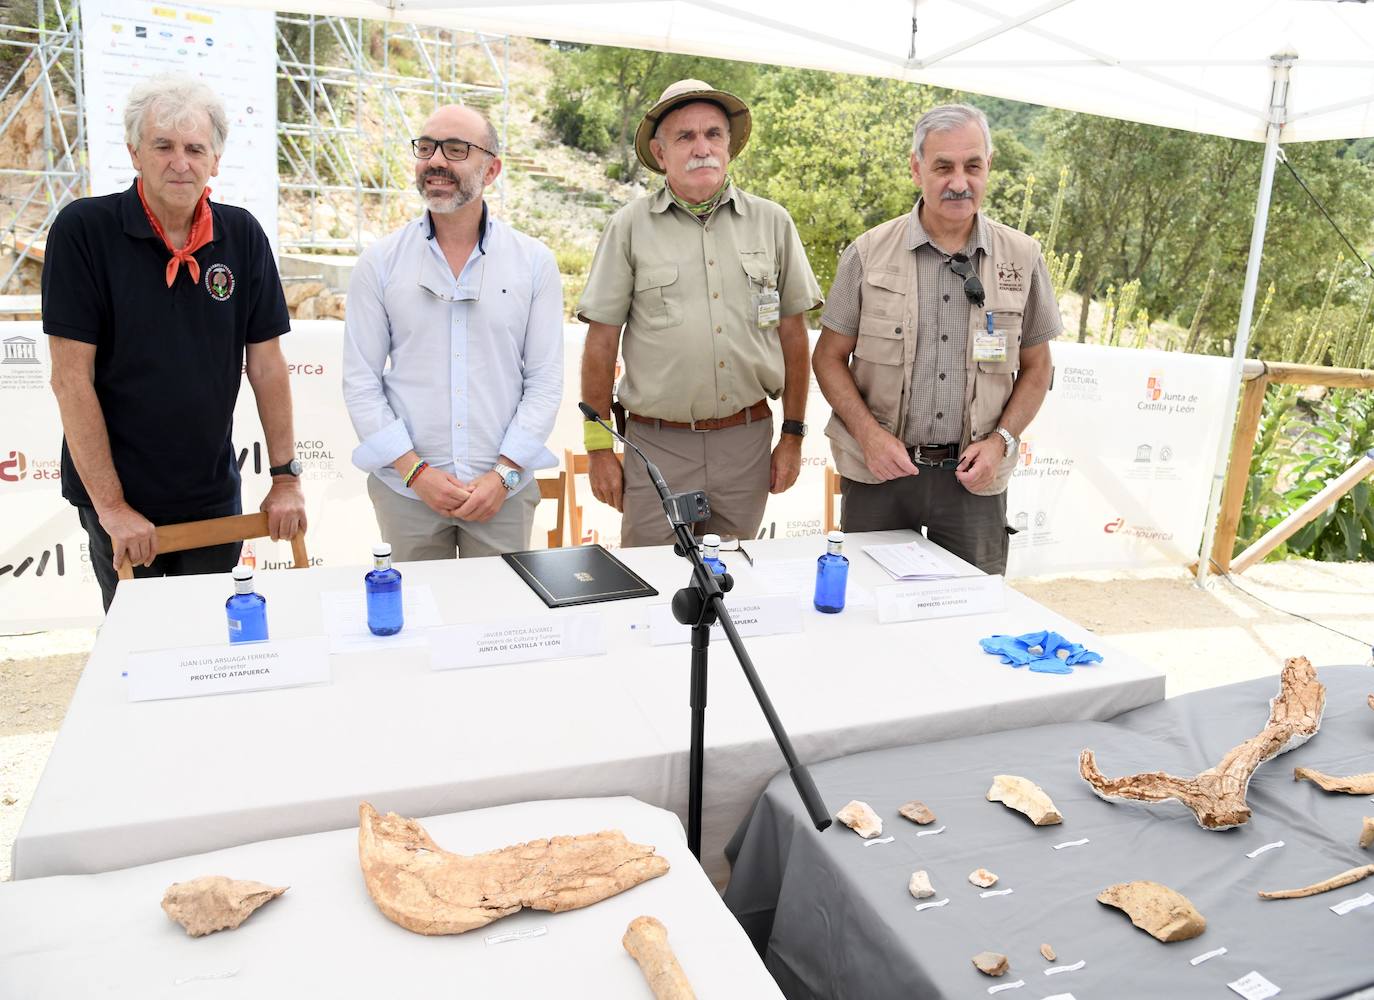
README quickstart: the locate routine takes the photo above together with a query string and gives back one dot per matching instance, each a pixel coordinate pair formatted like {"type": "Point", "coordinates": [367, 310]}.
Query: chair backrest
{"type": "Point", "coordinates": [553, 488]}
{"type": "Point", "coordinates": [832, 490]}
{"type": "Point", "coordinates": [218, 531]}
{"type": "Point", "coordinates": [576, 465]}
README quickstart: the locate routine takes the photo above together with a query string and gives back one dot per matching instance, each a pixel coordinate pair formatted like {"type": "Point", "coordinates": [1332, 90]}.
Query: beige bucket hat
{"type": "Point", "coordinates": [685, 92]}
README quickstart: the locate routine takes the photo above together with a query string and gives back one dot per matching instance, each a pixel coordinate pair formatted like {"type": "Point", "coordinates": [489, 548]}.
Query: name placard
{"type": "Point", "coordinates": [965, 595]}
{"type": "Point", "coordinates": [516, 640]}
{"type": "Point", "coordinates": [227, 669]}
{"type": "Point", "coordinates": [767, 614]}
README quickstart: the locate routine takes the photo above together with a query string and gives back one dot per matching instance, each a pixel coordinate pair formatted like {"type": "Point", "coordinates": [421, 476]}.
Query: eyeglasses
{"type": "Point", "coordinates": [454, 149]}
{"type": "Point", "coordinates": [973, 288]}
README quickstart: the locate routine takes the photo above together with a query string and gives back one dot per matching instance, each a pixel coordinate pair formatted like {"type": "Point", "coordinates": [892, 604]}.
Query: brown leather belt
{"type": "Point", "coordinates": [939, 456]}
{"type": "Point", "coordinates": [747, 415]}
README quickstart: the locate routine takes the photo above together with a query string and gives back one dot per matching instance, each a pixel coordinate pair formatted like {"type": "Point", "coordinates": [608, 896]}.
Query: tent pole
{"type": "Point", "coordinates": [1278, 111]}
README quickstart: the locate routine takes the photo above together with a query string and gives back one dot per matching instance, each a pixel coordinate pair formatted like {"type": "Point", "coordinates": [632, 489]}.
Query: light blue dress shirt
{"type": "Point", "coordinates": [476, 361]}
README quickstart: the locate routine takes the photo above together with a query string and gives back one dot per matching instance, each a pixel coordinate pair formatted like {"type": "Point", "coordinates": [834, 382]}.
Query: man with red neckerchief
{"type": "Point", "coordinates": [153, 298]}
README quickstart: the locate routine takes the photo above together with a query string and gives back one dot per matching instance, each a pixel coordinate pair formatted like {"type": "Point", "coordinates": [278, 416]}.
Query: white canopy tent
{"type": "Point", "coordinates": [1268, 70]}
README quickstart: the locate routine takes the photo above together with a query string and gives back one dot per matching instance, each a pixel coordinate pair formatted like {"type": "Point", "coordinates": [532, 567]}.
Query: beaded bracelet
{"type": "Point", "coordinates": [414, 472]}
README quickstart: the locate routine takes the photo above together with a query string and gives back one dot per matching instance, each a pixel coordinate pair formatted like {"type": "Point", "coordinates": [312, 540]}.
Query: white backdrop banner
{"type": "Point", "coordinates": [1114, 471]}
{"type": "Point", "coordinates": [234, 51]}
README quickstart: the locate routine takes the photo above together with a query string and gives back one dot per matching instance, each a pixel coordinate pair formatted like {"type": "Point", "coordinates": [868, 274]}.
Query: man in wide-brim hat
{"type": "Point", "coordinates": [708, 285]}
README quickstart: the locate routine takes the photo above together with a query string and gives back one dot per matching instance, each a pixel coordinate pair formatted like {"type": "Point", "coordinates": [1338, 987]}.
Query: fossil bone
{"type": "Point", "coordinates": [860, 818]}
{"type": "Point", "coordinates": [1025, 796]}
{"type": "Point", "coordinates": [1367, 834]}
{"type": "Point", "coordinates": [918, 812]}
{"type": "Point", "coordinates": [982, 878]}
{"type": "Point", "coordinates": [1217, 795]}
{"type": "Point", "coordinates": [1159, 911]}
{"type": "Point", "coordinates": [1334, 882]}
{"type": "Point", "coordinates": [428, 890]}
{"type": "Point", "coordinates": [1356, 784]}
{"type": "Point", "coordinates": [646, 939]}
{"type": "Point", "coordinates": [919, 886]}
{"type": "Point", "coordinates": [215, 903]}
{"type": "Point", "coordinates": [1048, 952]}
{"type": "Point", "coordinates": [991, 963]}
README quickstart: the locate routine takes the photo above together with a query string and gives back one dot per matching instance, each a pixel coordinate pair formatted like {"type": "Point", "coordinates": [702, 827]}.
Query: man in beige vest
{"type": "Point", "coordinates": [709, 285]}
{"type": "Point", "coordinates": [934, 353]}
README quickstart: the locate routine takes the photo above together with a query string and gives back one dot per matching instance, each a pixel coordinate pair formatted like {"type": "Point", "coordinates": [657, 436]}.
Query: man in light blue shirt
{"type": "Point", "coordinates": [470, 314]}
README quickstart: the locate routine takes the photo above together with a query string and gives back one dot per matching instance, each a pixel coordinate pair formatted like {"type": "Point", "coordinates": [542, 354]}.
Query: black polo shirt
{"type": "Point", "coordinates": [168, 361]}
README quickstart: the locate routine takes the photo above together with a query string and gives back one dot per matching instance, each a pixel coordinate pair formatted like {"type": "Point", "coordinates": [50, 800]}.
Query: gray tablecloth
{"type": "Point", "coordinates": [833, 918]}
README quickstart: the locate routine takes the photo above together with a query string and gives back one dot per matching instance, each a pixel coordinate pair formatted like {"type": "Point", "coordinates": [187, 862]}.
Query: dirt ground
{"type": "Point", "coordinates": [1229, 632]}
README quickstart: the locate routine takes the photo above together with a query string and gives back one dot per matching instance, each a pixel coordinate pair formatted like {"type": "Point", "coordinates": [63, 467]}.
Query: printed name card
{"type": "Point", "coordinates": [227, 669]}
{"type": "Point", "coordinates": [918, 600]}
{"type": "Point", "coordinates": [516, 640]}
{"type": "Point", "coordinates": [766, 614]}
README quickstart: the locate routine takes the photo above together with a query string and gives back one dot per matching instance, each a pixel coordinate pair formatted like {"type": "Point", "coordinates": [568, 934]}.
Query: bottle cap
{"type": "Point", "coordinates": [835, 536]}
{"type": "Point", "coordinates": [243, 572]}
{"type": "Point", "coordinates": [713, 540]}
{"type": "Point", "coordinates": [381, 549]}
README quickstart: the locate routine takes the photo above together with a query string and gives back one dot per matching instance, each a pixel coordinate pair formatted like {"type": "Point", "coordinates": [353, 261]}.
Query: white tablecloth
{"type": "Point", "coordinates": [105, 935]}
{"type": "Point", "coordinates": [131, 783]}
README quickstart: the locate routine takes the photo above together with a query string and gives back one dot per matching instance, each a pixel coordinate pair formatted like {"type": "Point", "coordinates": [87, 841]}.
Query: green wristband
{"type": "Point", "coordinates": [595, 437]}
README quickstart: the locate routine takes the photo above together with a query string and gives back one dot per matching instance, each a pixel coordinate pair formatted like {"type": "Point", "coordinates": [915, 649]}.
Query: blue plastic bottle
{"type": "Point", "coordinates": [832, 573]}
{"type": "Point", "coordinates": [246, 610]}
{"type": "Point", "coordinates": [384, 613]}
{"type": "Point", "coordinates": [710, 554]}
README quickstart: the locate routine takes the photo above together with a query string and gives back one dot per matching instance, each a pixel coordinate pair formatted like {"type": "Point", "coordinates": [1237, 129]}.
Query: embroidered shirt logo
{"type": "Point", "coordinates": [1009, 277]}
{"type": "Point", "coordinates": [219, 282]}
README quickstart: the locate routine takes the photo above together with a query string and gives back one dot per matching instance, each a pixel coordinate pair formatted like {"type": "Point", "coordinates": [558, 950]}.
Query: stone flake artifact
{"type": "Point", "coordinates": [1356, 784]}
{"type": "Point", "coordinates": [991, 963]}
{"type": "Point", "coordinates": [1159, 911]}
{"type": "Point", "coordinates": [1025, 796]}
{"type": "Point", "coordinates": [1048, 952]}
{"type": "Point", "coordinates": [918, 812]}
{"type": "Point", "coordinates": [1334, 882]}
{"type": "Point", "coordinates": [982, 878]}
{"type": "Point", "coordinates": [1217, 795]}
{"type": "Point", "coordinates": [646, 939]}
{"type": "Point", "coordinates": [861, 819]}
{"type": "Point", "coordinates": [919, 886]}
{"type": "Point", "coordinates": [428, 890]}
{"type": "Point", "coordinates": [1367, 834]}
{"type": "Point", "coordinates": [215, 903]}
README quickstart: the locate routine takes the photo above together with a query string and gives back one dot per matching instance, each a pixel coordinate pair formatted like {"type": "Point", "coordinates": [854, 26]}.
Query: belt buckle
{"type": "Point", "coordinates": [698, 430]}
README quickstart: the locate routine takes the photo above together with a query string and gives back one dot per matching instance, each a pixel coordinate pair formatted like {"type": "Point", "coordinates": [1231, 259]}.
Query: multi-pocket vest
{"type": "Point", "coordinates": [885, 348]}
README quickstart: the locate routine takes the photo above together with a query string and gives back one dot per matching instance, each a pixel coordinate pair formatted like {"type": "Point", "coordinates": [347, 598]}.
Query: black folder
{"type": "Point", "coordinates": [582, 574]}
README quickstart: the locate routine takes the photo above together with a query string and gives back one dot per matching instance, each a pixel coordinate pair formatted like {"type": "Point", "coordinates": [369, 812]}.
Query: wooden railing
{"type": "Point", "coordinates": [1259, 375]}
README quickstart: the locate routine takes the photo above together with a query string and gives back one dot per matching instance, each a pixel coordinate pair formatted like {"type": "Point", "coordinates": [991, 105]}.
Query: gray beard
{"type": "Point", "coordinates": [468, 188]}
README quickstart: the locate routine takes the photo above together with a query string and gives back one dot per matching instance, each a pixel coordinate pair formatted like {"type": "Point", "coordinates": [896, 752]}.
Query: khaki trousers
{"type": "Point", "coordinates": [732, 465]}
{"type": "Point", "coordinates": [416, 532]}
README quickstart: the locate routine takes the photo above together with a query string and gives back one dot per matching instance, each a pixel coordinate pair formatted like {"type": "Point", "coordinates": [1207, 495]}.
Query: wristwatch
{"type": "Point", "coordinates": [794, 427]}
{"type": "Point", "coordinates": [291, 468]}
{"type": "Point", "coordinates": [510, 478]}
{"type": "Point", "coordinates": [1009, 438]}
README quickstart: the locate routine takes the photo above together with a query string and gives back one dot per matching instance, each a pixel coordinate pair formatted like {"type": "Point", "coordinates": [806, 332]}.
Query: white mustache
{"type": "Point", "coordinates": [698, 162]}
{"type": "Point", "coordinates": [957, 196]}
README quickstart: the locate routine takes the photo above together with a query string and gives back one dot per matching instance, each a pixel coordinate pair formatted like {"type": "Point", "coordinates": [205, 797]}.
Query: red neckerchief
{"type": "Point", "coordinates": [202, 229]}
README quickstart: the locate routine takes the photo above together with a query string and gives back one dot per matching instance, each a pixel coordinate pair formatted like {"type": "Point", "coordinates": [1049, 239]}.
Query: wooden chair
{"type": "Point", "coordinates": [574, 466]}
{"type": "Point", "coordinates": [555, 489]}
{"type": "Point", "coordinates": [217, 531]}
{"type": "Point", "coordinates": [832, 491]}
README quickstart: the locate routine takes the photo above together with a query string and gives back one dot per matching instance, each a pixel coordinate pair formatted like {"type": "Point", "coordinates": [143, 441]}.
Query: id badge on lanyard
{"type": "Point", "coordinates": [990, 343]}
{"type": "Point", "coordinates": [766, 305]}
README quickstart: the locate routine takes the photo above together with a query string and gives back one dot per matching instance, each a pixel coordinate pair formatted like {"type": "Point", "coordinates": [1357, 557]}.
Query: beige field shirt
{"type": "Point", "coordinates": [685, 291]}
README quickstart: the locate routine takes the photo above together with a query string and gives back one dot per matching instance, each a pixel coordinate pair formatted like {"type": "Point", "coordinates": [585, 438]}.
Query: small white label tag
{"type": "Point", "coordinates": [1253, 986]}
{"type": "Point", "coordinates": [524, 935]}
{"type": "Point", "coordinates": [921, 599]}
{"type": "Point", "coordinates": [879, 840]}
{"type": "Point", "coordinates": [1007, 986]}
{"type": "Point", "coordinates": [930, 906]}
{"type": "Point", "coordinates": [1071, 843]}
{"type": "Point", "coordinates": [1054, 970]}
{"type": "Point", "coordinates": [227, 669]}
{"type": "Point", "coordinates": [1342, 908]}
{"type": "Point", "coordinates": [1267, 847]}
{"type": "Point", "coordinates": [766, 614]}
{"type": "Point", "coordinates": [515, 640]}
{"type": "Point", "coordinates": [1215, 953]}
{"type": "Point", "coordinates": [931, 833]}
{"type": "Point", "coordinates": [996, 892]}
{"type": "Point", "coordinates": [1061, 996]}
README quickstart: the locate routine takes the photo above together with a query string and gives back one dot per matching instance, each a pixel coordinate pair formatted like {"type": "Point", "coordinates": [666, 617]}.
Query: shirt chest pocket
{"type": "Point", "coordinates": [884, 294]}
{"type": "Point", "coordinates": [657, 296]}
{"type": "Point", "coordinates": [759, 269]}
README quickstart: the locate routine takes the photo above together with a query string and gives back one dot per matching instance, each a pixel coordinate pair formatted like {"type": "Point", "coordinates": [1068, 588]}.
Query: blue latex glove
{"type": "Point", "coordinates": [1044, 652]}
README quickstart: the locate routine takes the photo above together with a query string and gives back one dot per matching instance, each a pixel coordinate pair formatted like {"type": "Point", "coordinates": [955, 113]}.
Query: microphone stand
{"type": "Point", "coordinates": [700, 604]}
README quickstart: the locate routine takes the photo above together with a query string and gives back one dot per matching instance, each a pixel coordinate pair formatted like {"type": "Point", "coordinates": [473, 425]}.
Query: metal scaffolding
{"type": "Point", "coordinates": [338, 116]}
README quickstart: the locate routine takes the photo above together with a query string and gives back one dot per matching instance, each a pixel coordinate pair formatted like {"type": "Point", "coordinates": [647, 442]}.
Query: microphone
{"type": "Point", "coordinates": [685, 508]}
